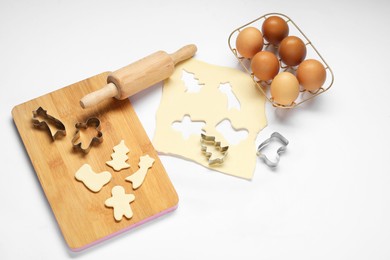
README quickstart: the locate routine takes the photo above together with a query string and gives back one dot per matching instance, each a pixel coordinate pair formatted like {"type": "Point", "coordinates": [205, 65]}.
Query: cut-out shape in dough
{"type": "Point", "coordinates": [210, 105]}
{"type": "Point", "coordinates": [191, 82]}
{"type": "Point", "coordinates": [233, 136]}
{"type": "Point", "coordinates": [120, 201]}
{"type": "Point", "coordinates": [188, 127]}
{"type": "Point", "coordinates": [119, 157]}
{"type": "Point", "coordinates": [233, 102]}
{"type": "Point", "coordinates": [137, 178]}
{"type": "Point", "coordinates": [93, 181]}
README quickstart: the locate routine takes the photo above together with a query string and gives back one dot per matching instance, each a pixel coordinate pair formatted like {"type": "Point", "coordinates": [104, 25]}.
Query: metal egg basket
{"type": "Point", "coordinates": [263, 86]}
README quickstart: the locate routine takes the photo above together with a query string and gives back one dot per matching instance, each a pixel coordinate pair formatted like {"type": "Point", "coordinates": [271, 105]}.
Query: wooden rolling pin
{"type": "Point", "coordinates": [139, 75]}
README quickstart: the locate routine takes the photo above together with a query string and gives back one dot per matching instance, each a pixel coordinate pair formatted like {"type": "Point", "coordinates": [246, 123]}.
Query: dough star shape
{"type": "Point", "coordinates": [145, 162]}
{"type": "Point", "coordinates": [120, 201]}
{"type": "Point", "coordinates": [93, 181]}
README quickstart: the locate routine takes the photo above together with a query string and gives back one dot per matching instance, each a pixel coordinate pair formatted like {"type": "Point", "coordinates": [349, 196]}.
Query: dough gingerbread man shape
{"type": "Point", "coordinates": [145, 162]}
{"type": "Point", "coordinates": [120, 201]}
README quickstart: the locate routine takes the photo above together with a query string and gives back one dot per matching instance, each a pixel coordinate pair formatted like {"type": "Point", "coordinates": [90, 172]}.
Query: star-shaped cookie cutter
{"type": "Point", "coordinates": [206, 139]}
{"type": "Point", "coordinates": [91, 122]}
{"type": "Point", "coordinates": [48, 119]}
{"type": "Point", "coordinates": [274, 137]}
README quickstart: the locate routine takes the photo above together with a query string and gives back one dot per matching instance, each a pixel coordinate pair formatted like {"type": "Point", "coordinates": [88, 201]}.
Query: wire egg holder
{"type": "Point", "coordinates": [305, 95]}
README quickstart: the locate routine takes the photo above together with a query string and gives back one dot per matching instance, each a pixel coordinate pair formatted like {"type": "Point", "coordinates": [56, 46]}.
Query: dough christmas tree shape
{"type": "Point", "coordinates": [145, 162]}
{"type": "Point", "coordinates": [93, 181]}
{"type": "Point", "coordinates": [119, 157]}
{"type": "Point", "coordinates": [120, 201]}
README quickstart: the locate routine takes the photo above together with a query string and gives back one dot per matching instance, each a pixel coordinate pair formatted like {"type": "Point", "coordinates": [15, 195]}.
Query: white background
{"type": "Point", "coordinates": [328, 199]}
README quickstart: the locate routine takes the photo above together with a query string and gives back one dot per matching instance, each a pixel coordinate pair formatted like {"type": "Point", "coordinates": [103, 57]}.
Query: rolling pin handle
{"type": "Point", "coordinates": [108, 91]}
{"type": "Point", "coordinates": [184, 53]}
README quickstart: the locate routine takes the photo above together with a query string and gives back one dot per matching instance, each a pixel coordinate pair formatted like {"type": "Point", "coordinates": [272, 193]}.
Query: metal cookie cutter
{"type": "Point", "coordinates": [91, 122]}
{"type": "Point", "coordinates": [205, 139]}
{"type": "Point", "coordinates": [277, 137]}
{"type": "Point", "coordinates": [48, 119]}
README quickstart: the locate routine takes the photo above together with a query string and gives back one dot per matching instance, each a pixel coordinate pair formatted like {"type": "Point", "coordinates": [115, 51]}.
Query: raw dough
{"type": "Point", "coordinates": [145, 162]}
{"type": "Point", "coordinates": [120, 201]}
{"type": "Point", "coordinates": [211, 106]}
{"type": "Point", "coordinates": [119, 157]}
{"type": "Point", "coordinates": [93, 181]}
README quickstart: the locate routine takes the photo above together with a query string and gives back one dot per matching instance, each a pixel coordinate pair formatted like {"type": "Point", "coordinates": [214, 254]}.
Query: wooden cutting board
{"type": "Point", "coordinates": [81, 214]}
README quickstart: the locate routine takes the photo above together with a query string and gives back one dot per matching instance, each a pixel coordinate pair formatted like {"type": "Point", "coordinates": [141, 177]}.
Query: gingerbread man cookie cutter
{"type": "Point", "coordinates": [91, 122]}
{"type": "Point", "coordinates": [48, 120]}
{"type": "Point", "coordinates": [274, 137]}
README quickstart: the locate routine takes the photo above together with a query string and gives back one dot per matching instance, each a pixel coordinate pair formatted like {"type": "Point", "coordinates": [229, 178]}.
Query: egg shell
{"type": "Point", "coordinates": [275, 29]}
{"type": "Point", "coordinates": [311, 74]}
{"type": "Point", "coordinates": [249, 42]}
{"type": "Point", "coordinates": [292, 50]}
{"type": "Point", "coordinates": [285, 88]}
{"type": "Point", "coordinates": [265, 65]}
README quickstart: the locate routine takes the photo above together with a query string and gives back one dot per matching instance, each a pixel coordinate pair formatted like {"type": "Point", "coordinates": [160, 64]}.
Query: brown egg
{"type": "Point", "coordinates": [292, 50]}
{"type": "Point", "coordinates": [311, 74]}
{"type": "Point", "coordinates": [275, 29]}
{"type": "Point", "coordinates": [249, 42]}
{"type": "Point", "coordinates": [285, 88]}
{"type": "Point", "coordinates": [265, 65]}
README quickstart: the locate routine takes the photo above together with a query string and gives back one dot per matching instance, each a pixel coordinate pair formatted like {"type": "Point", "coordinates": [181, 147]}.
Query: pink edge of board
{"type": "Point", "coordinates": [124, 230]}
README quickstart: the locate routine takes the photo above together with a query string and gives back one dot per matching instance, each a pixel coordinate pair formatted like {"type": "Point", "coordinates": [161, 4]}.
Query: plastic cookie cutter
{"type": "Point", "coordinates": [274, 137]}
{"type": "Point", "coordinates": [91, 122]}
{"type": "Point", "coordinates": [41, 119]}
{"type": "Point", "coordinates": [207, 140]}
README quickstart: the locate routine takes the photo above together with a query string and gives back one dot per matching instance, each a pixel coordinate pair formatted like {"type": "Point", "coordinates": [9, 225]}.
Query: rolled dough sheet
{"type": "Point", "coordinates": [211, 106]}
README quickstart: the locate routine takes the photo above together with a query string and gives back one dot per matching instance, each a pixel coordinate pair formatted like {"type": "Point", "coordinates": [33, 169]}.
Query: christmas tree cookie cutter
{"type": "Point", "coordinates": [210, 140]}
{"type": "Point", "coordinates": [91, 122]}
{"type": "Point", "coordinates": [275, 136]}
{"type": "Point", "coordinates": [48, 120]}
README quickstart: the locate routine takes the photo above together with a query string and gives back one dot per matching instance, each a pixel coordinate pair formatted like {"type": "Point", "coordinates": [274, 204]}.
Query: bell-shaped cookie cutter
{"type": "Point", "coordinates": [274, 137]}
{"type": "Point", "coordinates": [206, 139]}
{"type": "Point", "coordinates": [48, 119]}
{"type": "Point", "coordinates": [91, 122]}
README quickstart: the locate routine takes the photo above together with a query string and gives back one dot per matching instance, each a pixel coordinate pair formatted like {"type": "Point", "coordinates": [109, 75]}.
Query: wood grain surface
{"type": "Point", "coordinates": [80, 213]}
